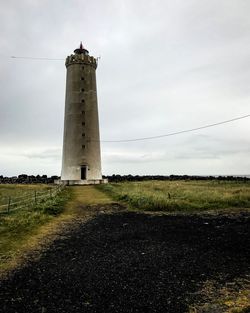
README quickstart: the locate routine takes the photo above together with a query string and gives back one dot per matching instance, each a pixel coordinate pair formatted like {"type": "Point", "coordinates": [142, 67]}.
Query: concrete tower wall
{"type": "Point", "coordinates": [81, 146]}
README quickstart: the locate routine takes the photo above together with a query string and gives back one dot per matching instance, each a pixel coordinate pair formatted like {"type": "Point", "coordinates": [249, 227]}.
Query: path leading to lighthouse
{"type": "Point", "coordinates": [29, 245]}
{"type": "Point", "coordinates": [112, 260]}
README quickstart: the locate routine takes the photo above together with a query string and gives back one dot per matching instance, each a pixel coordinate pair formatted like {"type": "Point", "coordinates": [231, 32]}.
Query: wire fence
{"type": "Point", "coordinates": [15, 203]}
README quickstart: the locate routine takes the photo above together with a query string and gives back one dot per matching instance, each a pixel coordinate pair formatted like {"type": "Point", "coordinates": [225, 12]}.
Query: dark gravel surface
{"type": "Point", "coordinates": [128, 262]}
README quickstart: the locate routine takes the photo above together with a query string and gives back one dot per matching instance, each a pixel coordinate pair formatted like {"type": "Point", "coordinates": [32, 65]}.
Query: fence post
{"type": "Point", "coordinates": [8, 210]}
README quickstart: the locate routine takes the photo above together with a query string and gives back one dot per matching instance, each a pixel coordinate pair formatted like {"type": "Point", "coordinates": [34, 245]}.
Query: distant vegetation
{"type": "Point", "coordinates": [28, 179]}
{"type": "Point", "coordinates": [121, 178]}
{"type": "Point", "coordinates": [179, 196]}
{"type": "Point", "coordinates": [44, 179]}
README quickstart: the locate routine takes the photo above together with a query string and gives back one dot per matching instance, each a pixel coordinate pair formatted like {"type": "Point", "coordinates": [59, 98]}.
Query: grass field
{"type": "Point", "coordinates": [16, 192]}
{"type": "Point", "coordinates": [19, 225]}
{"type": "Point", "coordinates": [177, 196]}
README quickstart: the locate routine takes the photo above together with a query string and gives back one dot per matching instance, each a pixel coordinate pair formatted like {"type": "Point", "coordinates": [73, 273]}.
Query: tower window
{"type": "Point", "coordinates": [83, 146]}
{"type": "Point", "coordinates": [83, 123]}
{"type": "Point", "coordinates": [82, 89]}
{"type": "Point", "coordinates": [82, 67]}
{"type": "Point", "coordinates": [83, 112]}
{"type": "Point", "coordinates": [83, 135]}
{"type": "Point", "coordinates": [83, 100]}
{"type": "Point", "coordinates": [82, 78]}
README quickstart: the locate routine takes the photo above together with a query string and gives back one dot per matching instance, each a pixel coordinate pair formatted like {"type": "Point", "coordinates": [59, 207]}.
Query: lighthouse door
{"type": "Point", "coordinates": [84, 172]}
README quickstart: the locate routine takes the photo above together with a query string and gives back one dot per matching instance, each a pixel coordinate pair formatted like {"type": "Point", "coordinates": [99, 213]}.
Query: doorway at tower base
{"type": "Point", "coordinates": [81, 182]}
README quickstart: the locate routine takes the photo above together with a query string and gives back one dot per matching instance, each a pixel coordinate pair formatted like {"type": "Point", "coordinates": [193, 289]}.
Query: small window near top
{"type": "Point", "coordinates": [82, 78]}
{"type": "Point", "coordinates": [82, 89]}
{"type": "Point", "coordinates": [83, 100]}
{"type": "Point", "coordinates": [83, 135]}
{"type": "Point", "coordinates": [83, 146]}
{"type": "Point", "coordinates": [83, 123]}
{"type": "Point", "coordinates": [83, 112]}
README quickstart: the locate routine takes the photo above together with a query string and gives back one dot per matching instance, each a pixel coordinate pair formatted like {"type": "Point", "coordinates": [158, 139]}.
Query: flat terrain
{"type": "Point", "coordinates": [121, 261]}
{"type": "Point", "coordinates": [18, 192]}
{"type": "Point", "coordinates": [182, 196]}
{"type": "Point", "coordinates": [31, 208]}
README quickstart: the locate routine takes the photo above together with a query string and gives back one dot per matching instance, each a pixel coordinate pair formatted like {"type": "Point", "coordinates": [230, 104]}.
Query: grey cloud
{"type": "Point", "coordinates": [165, 66]}
{"type": "Point", "coordinates": [32, 153]}
{"type": "Point", "coordinates": [54, 154]}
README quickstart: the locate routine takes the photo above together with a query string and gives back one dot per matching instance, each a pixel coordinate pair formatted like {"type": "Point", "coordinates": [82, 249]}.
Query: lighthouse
{"type": "Point", "coordinates": [81, 161]}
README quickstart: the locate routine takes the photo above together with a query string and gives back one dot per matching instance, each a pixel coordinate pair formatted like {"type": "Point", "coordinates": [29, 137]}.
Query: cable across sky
{"type": "Point", "coordinates": [151, 137]}
{"type": "Point", "coordinates": [179, 132]}
{"type": "Point", "coordinates": [33, 58]}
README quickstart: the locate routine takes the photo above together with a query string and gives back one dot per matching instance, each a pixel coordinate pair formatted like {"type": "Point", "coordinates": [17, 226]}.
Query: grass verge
{"type": "Point", "coordinates": [18, 227]}
{"type": "Point", "coordinates": [181, 196]}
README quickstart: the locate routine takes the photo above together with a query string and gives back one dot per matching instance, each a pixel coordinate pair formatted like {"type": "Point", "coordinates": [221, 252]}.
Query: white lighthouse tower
{"type": "Point", "coordinates": [81, 163]}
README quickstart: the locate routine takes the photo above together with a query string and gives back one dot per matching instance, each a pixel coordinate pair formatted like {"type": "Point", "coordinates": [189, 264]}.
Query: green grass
{"type": "Point", "coordinates": [16, 191]}
{"type": "Point", "coordinates": [178, 196]}
{"type": "Point", "coordinates": [19, 225]}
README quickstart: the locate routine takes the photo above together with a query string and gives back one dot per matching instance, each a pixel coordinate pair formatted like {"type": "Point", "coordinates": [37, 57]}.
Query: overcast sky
{"type": "Point", "coordinates": [165, 66]}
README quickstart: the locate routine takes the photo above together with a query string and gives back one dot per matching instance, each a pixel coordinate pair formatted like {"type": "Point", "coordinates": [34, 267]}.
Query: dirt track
{"type": "Point", "coordinates": [128, 262]}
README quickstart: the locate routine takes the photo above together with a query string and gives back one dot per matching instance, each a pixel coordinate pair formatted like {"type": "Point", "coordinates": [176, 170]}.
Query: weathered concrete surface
{"type": "Point", "coordinates": [81, 145]}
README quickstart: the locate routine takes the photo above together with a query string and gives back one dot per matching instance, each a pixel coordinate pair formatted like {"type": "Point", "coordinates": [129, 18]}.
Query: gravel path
{"type": "Point", "coordinates": [129, 262]}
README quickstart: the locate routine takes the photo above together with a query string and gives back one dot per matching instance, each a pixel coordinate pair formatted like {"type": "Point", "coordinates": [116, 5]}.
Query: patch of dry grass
{"type": "Point", "coordinates": [88, 195]}
{"type": "Point", "coordinates": [234, 297]}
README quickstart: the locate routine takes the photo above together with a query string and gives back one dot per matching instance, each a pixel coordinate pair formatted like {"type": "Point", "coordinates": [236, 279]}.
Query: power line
{"type": "Point", "coordinates": [33, 58]}
{"type": "Point", "coordinates": [178, 132]}
{"type": "Point", "coordinates": [152, 137]}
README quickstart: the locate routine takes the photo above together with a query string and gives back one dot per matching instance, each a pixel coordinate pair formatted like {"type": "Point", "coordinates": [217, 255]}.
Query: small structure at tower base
{"type": "Point", "coordinates": [81, 182]}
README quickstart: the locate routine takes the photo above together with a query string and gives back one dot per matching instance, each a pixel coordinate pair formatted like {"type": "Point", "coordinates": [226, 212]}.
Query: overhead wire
{"type": "Point", "coordinates": [33, 58]}
{"type": "Point", "coordinates": [150, 137]}
{"type": "Point", "coordinates": [177, 132]}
